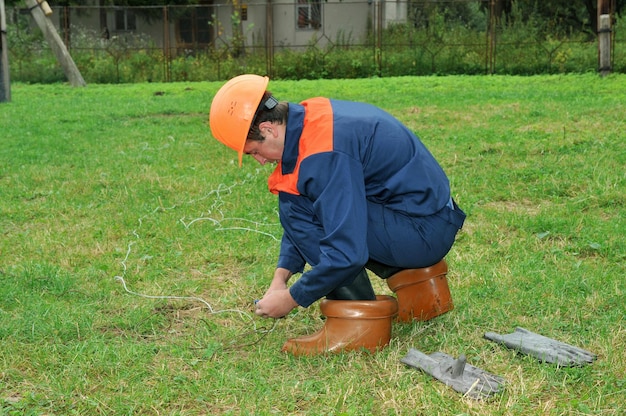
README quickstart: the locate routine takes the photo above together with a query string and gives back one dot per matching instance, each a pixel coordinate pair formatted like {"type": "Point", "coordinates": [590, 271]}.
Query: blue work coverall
{"type": "Point", "coordinates": [355, 184]}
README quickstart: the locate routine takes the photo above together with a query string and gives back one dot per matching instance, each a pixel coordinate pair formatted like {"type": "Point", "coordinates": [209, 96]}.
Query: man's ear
{"type": "Point", "coordinates": [267, 127]}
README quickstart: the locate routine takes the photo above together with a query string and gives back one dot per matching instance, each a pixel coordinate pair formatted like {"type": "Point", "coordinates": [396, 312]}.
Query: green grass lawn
{"type": "Point", "coordinates": [114, 182]}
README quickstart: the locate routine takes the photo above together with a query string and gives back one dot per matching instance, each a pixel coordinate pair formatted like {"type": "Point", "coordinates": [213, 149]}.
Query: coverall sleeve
{"type": "Point", "coordinates": [334, 182]}
{"type": "Point", "coordinates": [289, 257]}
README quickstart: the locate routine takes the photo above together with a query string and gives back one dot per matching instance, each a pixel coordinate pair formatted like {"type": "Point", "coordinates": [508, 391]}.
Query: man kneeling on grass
{"type": "Point", "coordinates": [357, 190]}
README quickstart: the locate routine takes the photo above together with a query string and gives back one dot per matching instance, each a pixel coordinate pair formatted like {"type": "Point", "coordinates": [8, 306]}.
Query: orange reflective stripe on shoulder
{"type": "Point", "coordinates": [317, 137]}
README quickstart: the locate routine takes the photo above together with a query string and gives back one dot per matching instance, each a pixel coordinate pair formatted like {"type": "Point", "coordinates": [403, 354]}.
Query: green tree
{"type": "Point", "coordinates": [561, 15]}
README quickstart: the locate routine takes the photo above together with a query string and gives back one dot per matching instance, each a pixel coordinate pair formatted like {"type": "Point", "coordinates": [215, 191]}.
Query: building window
{"type": "Point", "coordinates": [125, 21]}
{"type": "Point", "coordinates": [193, 26]}
{"type": "Point", "coordinates": [309, 14]}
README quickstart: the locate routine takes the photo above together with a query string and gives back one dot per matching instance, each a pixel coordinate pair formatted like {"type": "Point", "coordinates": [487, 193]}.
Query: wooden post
{"type": "Point", "coordinates": [5, 82]}
{"type": "Point", "coordinates": [604, 45]}
{"type": "Point", "coordinates": [54, 40]}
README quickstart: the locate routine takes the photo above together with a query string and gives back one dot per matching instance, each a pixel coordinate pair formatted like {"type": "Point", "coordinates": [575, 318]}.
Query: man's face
{"type": "Point", "coordinates": [269, 150]}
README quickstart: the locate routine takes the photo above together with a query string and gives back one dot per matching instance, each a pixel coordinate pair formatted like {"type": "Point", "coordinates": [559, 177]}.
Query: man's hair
{"type": "Point", "coordinates": [276, 114]}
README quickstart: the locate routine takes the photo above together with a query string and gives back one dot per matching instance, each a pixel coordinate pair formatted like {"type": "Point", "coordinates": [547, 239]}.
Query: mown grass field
{"type": "Point", "coordinates": [113, 184]}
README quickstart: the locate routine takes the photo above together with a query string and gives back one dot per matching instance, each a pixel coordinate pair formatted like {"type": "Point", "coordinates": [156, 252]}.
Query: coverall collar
{"type": "Point", "coordinates": [293, 131]}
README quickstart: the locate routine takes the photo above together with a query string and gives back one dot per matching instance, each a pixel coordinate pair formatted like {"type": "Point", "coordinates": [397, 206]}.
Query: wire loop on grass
{"type": "Point", "coordinates": [217, 223]}
{"type": "Point", "coordinates": [197, 299]}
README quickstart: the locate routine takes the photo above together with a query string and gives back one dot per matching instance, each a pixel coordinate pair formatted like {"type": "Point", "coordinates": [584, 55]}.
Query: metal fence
{"type": "Point", "coordinates": [314, 39]}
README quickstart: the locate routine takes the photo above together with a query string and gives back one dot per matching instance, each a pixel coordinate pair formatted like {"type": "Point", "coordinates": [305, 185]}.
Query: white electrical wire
{"type": "Point", "coordinates": [215, 222]}
{"type": "Point", "coordinates": [196, 299]}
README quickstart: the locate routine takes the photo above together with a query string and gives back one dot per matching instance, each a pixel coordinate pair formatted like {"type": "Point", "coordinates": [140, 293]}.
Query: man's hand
{"type": "Point", "coordinates": [275, 304]}
{"type": "Point", "coordinates": [279, 282]}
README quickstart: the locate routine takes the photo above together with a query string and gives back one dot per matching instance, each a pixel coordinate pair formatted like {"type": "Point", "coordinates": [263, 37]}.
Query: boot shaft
{"type": "Point", "coordinates": [350, 325]}
{"type": "Point", "coordinates": [422, 293]}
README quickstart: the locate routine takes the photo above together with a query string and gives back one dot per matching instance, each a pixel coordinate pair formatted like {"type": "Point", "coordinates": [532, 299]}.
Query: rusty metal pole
{"type": "Point", "coordinates": [269, 38]}
{"type": "Point", "coordinates": [167, 55]}
{"type": "Point", "coordinates": [378, 50]}
{"type": "Point", "coordinates": [491, 40]}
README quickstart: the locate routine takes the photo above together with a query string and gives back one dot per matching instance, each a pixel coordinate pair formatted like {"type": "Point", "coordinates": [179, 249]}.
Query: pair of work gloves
{"type": "Point", "coordinates": [477, 383]}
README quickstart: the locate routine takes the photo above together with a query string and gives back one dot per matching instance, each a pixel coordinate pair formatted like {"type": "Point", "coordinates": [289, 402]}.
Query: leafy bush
{"type": "Point", "coordinates": [443, 46]}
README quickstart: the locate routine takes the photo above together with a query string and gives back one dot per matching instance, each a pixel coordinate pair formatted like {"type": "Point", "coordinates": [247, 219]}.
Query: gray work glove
{"type": "Point", "coordinates": [543, 348]}
{"type": "Point", "coordinates": [462, 377]}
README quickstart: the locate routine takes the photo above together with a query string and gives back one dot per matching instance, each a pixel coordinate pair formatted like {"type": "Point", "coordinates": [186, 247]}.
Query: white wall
{"type": "Point", "coordinates": [342, 21]}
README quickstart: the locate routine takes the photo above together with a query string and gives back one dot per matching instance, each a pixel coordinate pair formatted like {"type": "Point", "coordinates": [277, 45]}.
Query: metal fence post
{"type": "Point", "coordinates": [167, 73]}
{"type": "Point", "coordinates": [269, 38]}
{"type": "Point", "coordinates": [491, 39]}
{"type": "Point", "coordinates": [378, 49]}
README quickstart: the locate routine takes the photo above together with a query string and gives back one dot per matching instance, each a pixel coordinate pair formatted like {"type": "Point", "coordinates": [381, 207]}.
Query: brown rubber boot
{"type": "Point", "coordinates": [350, 325]}
{"type": "Point", "coordinates": [422, 293]}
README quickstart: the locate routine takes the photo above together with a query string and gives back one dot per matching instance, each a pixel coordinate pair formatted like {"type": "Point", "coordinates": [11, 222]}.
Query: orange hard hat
{"type": "Point", "coordinates": [233, 109]}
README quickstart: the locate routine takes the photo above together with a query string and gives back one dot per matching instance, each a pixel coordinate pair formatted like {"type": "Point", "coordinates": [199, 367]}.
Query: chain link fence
{"type": "Point", "coordinates": [304, 39]}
